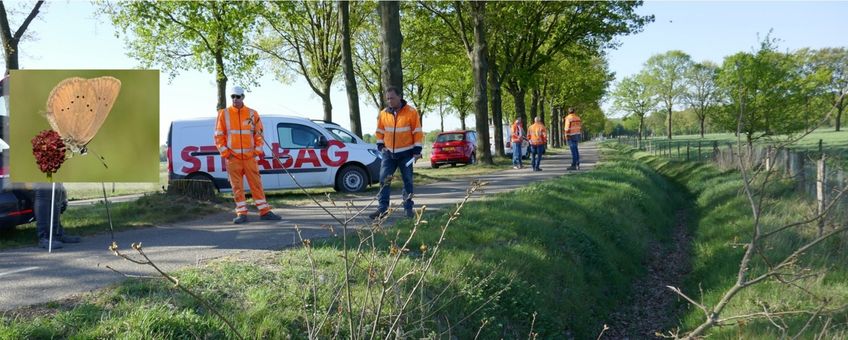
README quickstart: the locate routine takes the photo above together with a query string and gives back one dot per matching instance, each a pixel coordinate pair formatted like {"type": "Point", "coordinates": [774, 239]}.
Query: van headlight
{"type": "Point", "coordinates": [375, 153]}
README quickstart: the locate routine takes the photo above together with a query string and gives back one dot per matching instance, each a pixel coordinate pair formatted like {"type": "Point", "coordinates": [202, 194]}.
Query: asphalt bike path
{"type": "Point", "coordinates": [31, 276]}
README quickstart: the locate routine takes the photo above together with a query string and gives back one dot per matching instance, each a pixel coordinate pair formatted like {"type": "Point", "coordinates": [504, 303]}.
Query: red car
{"type": "Point", "coordinates": [454, 147]}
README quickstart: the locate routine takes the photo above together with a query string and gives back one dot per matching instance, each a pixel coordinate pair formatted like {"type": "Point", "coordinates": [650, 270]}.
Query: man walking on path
{"type": "Point", "coordinates": [399, 138]}
{"type": "Point", "coordinates": [238, 136]}
{"type": "Point", "coordinates": [517, 138]}
{"type": "Point", "coordinates": [538, 139]}
{"type": "Point", "coordinates": [572, 134]}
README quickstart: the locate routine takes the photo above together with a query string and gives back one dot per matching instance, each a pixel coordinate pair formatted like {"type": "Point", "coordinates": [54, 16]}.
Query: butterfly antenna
{"type": "Point", "coordinates": [102, 160]}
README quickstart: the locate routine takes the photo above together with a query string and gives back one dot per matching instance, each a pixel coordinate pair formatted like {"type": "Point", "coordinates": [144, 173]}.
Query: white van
{"type": "Point", "coordinates": [315, 156]}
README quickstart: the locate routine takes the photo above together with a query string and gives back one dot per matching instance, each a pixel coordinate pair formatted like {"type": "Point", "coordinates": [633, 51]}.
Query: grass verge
{"type": "Point", "coordinates": [565, 249]}
{"type": "Point", "coordinates": [724, 221]}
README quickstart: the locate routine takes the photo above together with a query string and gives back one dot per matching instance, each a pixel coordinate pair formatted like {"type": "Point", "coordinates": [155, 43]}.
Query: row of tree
{"type": "Point", "coordinates": [447, 57]}
{"type": "Point", "coordinates": [762, 92]}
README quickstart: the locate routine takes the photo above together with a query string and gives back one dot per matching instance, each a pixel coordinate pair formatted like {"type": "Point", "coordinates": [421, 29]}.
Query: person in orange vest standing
{"type": "Point", "coordinates": [517, 138]}
{"type": "Point", "coordinates": [538, 139]}
{"type": "Point", "coordinates": [238, 136]}
{"type": "Point", "coordinates": [399, 140]}
{"type": "Point", "coordinates": [572, 134]}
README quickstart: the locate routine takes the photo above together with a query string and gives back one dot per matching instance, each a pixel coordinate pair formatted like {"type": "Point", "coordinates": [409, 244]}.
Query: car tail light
{"type": "Point", "coordinates": [20, 212]}
{"type": "Point", "coordinates": [4, 171]}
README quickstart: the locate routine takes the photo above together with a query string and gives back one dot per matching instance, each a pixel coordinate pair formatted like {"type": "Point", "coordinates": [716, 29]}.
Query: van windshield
{"type": "Point", "coordinates": [450, 137]}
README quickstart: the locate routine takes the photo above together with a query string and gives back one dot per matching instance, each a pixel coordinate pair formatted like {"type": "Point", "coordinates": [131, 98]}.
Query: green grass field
{"type": "Point", "coordinates": [565, 250]}
{"type": "Point", "coordinates": [835, 144]}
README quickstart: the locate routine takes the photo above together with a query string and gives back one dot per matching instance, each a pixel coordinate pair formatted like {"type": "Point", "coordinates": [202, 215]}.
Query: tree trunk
{"type": "Point", "coordinates": [497, 113]}
{"type": "Point", "coordinates": [703, 120]}
{"type": "Point", "coordinates": [542, 101]}
{"type": "Point", "coordinates": [347, 62]}
{"type": "Point", "coordinates": [641, 126]}
{"type": "Point", "coordinates": [462, 116]}
{"type": "Point", "coordinates": [554, 126]}
{"type": "Point", "coordinates": [328, 105]}
{"type": "Point", "coordinates": [534, 106]}
{"type": "Point", "coordinates": [518, 95]}
{"type": "Point", "coordinates": [10, 41]}
{"type": "Point", "coordinates": [669, 122]}
{"type": "Point", "coordinates": [481, 69]}
{"type": "Point", "coordinates": [391, 47]}
{"type": "Point", "coordinates": [221, 80]}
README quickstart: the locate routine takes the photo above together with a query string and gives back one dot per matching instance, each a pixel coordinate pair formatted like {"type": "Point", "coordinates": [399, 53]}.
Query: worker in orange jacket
{"type": "Point", "coordinates": [399, 140]}
{"type": "Point", "coordinates": [238, 136]}
{"type": "Point", "coordinates": [538, 139]}
{"type": "Point", "coordinates": [517, 138]}
{"type": "Point", "coordinates": [572, 131]}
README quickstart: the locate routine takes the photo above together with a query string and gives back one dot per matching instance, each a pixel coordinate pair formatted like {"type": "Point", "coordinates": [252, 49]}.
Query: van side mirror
{"type": "Point", "coordinates": [322, 142]}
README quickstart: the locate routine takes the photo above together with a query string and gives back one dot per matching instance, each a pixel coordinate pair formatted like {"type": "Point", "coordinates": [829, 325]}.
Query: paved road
{"type": "Point", "coordinates": [31, 275]}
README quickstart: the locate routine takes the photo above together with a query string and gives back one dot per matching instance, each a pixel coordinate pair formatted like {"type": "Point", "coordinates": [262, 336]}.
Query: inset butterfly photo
{"type": "Point", "coordinates": [84, 125]}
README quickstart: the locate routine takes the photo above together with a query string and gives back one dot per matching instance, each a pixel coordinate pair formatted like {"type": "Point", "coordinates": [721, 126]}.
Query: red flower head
{"type": "Point", "coordinates": [49, 151]}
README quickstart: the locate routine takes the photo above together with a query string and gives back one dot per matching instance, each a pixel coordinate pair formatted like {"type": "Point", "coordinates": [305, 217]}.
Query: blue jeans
{"type": "Point", "coordinates": [572, 144]}
{"type": "Point", "coordinates": [516, 154]}
{"type": "Point", "coordinates": [390, 163]}
{"type": "Point", "coordinates": [536, 151]}
{"type": "Point", "coordinates": [41, 205]}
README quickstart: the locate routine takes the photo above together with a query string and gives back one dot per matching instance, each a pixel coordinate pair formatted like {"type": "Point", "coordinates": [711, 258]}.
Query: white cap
{"type": "Point", "coordinates": [237, 90]}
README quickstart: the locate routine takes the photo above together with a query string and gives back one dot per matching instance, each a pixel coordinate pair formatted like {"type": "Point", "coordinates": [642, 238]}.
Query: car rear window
{"type": "Point", "coordinates": [450, 137]}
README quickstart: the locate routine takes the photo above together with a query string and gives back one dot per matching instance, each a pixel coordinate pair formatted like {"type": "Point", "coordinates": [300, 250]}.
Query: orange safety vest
{"type": "Point", "coordinates": [572, 125]}
{"type": "Point", "coordinates": [517, 132]}
{"type": "Point", "coordinates": [538, 134]}
{"type": "Point", "coordinates": [401, 131]}
{"type": "Point", "coordinates": [238, 132]}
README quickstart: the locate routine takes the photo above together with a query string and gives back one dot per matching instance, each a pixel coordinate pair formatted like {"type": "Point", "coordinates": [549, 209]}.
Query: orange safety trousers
{"type": "Point", "coordinates": [237, 170]}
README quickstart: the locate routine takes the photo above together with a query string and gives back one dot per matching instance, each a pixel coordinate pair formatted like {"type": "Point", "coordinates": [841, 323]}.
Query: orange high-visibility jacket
{"type": "Point", "coordinates": [238, 132]}
{"type": "Point", "coordinates": [400, 132]}
{"type": "Point", "coordinates": [517, 132]}
{"type": "Point", "coordinates": [572, 125]}
{"type": "Point", "coordinates": [538, 134]}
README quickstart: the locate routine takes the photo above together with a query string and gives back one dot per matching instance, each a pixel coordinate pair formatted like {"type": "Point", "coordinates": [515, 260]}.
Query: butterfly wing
{"type": "Point", "coordinates": [66, 109]}
{"type": "Point", "coordinates": [106, 91]}
{"type": "Point", "coordinates": [77, 107]}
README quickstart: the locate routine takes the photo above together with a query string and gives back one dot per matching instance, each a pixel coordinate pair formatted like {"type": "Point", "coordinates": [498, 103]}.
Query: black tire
{"type": "Point", "coordinates": [453, 164]}
{"type": "Point", "coordinates": [351, 178]}
{"type": "Point", "coordinates": [434, 165]}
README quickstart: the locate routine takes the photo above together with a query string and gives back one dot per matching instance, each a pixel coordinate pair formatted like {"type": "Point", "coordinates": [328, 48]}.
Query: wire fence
{"type": "Point", "coordinates": [815, 175]}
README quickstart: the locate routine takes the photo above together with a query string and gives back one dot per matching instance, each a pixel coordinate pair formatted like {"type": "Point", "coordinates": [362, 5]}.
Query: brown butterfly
{"type": "Point", "coordinates": [77, 108]}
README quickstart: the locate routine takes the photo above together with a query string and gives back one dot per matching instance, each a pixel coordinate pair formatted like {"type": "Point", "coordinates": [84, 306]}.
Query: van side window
{"type": "Point", "coordinates": [295, 136]}
{"type": "Point", "coordinates": [342, 136]}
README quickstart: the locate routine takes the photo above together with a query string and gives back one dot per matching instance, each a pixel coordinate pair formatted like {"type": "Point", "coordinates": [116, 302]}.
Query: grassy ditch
{"type": "Point", "coordinates": [148, 210]}
{"type": "Point", "coordinates": [724, 221]}
{"type": "Point", "coordinates": [565, 250]}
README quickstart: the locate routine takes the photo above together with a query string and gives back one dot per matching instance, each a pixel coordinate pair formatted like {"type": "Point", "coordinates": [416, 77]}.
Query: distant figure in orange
{"type": "Point", "coordinates": [572, 131]}
{"type": "Point", "coordinates": [538, 135]}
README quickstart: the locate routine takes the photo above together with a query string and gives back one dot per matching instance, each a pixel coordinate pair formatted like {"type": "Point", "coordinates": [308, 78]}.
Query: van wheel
{"type": "Point", "coordinates": [351, 179]}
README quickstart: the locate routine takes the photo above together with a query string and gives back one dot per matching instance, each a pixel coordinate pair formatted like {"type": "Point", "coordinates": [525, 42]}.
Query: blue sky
{"type": "Point", "coordinates": [68, 35]}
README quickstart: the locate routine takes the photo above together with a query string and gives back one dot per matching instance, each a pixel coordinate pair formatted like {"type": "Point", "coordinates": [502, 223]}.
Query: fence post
{"type": "Point", "coordinates": [821, 180]}
{"type": "Point", "coordinates": [768, 159]}
{"type": "Point", "coordinates": [678, 149]}
{"type": "Point", "coordinates": [687, 151]}
{"type": "Point", "coordinates": [715, 150]}
{"type": "Point", "coordinates": [699, 152]}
